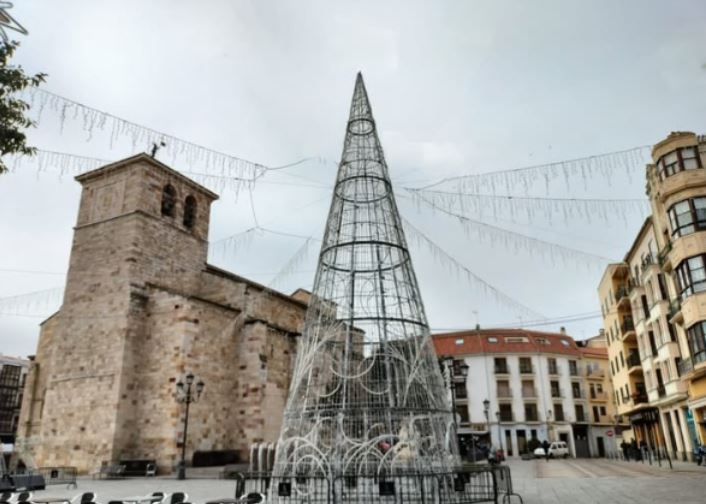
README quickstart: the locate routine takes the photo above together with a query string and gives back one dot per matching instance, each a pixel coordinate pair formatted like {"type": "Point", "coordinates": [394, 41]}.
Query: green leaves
{"type": "Point", "coordinates": [13, 120]}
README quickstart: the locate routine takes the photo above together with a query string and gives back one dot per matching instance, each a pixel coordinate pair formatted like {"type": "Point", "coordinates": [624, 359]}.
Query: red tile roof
{"type": "Point", "coordinates": [599, 353]}
{"type": "Point", "coordinates": [477, 342]}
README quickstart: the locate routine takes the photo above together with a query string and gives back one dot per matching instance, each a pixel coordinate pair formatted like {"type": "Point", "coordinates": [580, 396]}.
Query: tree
{"type": "Point", "coordinates": [13, 119]}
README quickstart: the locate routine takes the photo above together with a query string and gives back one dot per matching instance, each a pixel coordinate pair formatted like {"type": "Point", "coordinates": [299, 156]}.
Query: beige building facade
{"type": "Point", "coordinates": [650, 304]}
{"type": "Point", "coordinates": [141, 308]}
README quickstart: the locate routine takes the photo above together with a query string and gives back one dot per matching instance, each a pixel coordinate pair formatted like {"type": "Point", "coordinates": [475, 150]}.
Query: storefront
{"type": "Point", "coordinates": [645, 425]}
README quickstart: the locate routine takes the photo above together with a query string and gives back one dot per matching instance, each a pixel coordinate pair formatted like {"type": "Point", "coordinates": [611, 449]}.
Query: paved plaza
{"type": "Point", "coordinates": [572, 481]}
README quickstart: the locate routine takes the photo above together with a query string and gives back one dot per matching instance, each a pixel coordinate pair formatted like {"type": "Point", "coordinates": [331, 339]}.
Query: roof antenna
{"type": "Point", "coordinates": [156, 147]}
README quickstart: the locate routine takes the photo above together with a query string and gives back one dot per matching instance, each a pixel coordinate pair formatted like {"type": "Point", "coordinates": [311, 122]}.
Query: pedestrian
{"type": "Point", "coordinates": [545, 447]}
{"type": "Point", "coordinates": [634, 450]}
{"type": "Point", "coordinates": [624, 447]}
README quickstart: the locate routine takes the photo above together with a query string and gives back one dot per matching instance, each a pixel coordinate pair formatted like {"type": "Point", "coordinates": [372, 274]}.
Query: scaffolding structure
{"type": "Point", "coordinates": [367, 397]}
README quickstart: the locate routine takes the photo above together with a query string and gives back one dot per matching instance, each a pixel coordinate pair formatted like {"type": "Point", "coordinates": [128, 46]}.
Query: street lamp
{"type": "Point", "coordinates": [486, 410]}
{"type": "Point", "coordinates": [549, 425]}
{"type": "Point", "coordinates": [186, 396]}
{"type": "Point", "coordinates": [500, 435]}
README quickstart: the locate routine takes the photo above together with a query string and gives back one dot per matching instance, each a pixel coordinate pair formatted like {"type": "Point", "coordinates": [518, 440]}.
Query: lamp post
{"type": "Point", "coordinates": [185, 395]}
{"type": "Point", "coordinates": [500, 434]}
{"type": "Point", "coordinates": [549, 425]}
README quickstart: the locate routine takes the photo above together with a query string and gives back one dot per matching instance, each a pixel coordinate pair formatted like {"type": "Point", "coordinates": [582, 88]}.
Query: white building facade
{"type": "Point", "coordinates": [522, 385]}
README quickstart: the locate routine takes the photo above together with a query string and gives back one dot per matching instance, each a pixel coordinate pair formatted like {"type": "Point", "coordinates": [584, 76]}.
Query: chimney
{"type": "Point", "coordinates": [562, 330]}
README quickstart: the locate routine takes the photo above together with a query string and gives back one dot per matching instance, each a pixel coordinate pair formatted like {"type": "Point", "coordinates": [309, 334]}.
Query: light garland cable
{"type": "Point", "coordinates": [532, 207]}
{"type": "Point", "coordinates": [195, 154]}
{"type": "Point", "coordinates": [605, 165]}
{"type": "Point", "coordinates": [449, 261]}
{"type": "Point", "coordinates": [506, 238]}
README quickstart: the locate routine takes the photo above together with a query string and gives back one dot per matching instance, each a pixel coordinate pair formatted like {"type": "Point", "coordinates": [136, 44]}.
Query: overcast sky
{"type": "Point", "coordinates": [456, 88]}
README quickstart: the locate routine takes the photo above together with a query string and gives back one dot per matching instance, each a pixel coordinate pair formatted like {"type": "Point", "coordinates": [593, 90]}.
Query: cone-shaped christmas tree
{"type": "Point", "coordinates": [367, 396]}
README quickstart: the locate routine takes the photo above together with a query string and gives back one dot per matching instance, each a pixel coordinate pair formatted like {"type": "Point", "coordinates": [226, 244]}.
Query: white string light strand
{"type": "Point", "coordinates": [533, 207]}
{"type": "Point", "coordinates": [604, 165]}
{"type": "Point", "coordinates": [92, 119]}
{"type": "Point", "coordinates": [518, 242]}
{"type": "Point", "coordinates": [455, 266]}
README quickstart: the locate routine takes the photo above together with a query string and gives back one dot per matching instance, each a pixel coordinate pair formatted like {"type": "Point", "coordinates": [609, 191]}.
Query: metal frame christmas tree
{"type": "Point", "coordinates": [367, 396]}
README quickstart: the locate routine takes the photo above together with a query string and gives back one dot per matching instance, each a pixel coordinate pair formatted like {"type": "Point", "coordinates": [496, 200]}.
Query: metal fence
{"type": "Point", "coordinates": [58, 475]}
{"type": "Point", "coordinates": [467, 486]}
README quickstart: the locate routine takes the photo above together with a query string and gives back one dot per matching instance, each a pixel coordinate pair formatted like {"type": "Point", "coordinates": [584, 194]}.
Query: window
{"type": "Point", "coordinates": [515, 339]}
{"type": "Point", "coordinates": [500, 365]}
{"type": "Point", "coordinates": [525, 365]}
{"type": "Point", "coordinates": [460, 390]}
{"type": "Point", "coordinates": [691, 276]}
{"type": "Point", "coordinates": [603, 410]}
{"type": "Point", "coordinates": [688, 216]}
{"type": "Point", "coordinates": [503, 389]}
{"type": "Point", "coordinates": [696, 338]}
{"type": "Point", "coordinates": [566, 343]}
{"type": "Point", "coordinates": [580, 414]}
{"type": "Point", "coordinates": [558, 412]}
{"type": "Point", "coordinates": [462, 413]}
{"type": "Point", "coordinates": [551, 364]}
{"type": "Point", "coordinates": [528, 389]}
{"type": "Point", "coordinates": [492, 339]}
{"type": "Point", "coordinates": [576, 390]}
{"type": "Point", "coordinates": [684, 158]}
{"type": "Point", "coordinates": [573, 369]}
{"type": "Point", "coordinates": [556, 391]}
{"type": "Point", "coordinates": [459, 341]}
{"type": "Point", "coordinates": [189, 211]}
{"type": "Point", "coordinates": [531, 413]}
{"type": "Point", "coordinates": [506, 412]}
{"type": "Point", "coordinates": [168, 200]}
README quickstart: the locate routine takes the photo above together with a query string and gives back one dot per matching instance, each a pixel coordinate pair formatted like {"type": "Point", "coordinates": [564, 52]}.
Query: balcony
{"type": "Point", "coordinates": [675, 315]}
{"type": "Point", "coordinates": [526, 369]}
{"type": "Point", "coordinates": [501, 370]}
{"type": "Point", "coordinates": [627, 330]}
{"type": "Point", "coordinates": [622, 296]}
{"type": "Point", "coordinates": [557, 394]}
{"type": "Point", "coordinates": [531, 416]}
{"type": "Point", "coordinates": [506, 416]}
{"type": "Point", "coordinates": [573, 370]}
{"type": "Point", "coordinates": [599, 396]}
{"type": "Point", "coordinates": [685, 366]}
{"type": "Point", "coordinates": [664, 258]}
{"type": "Point", "coordinates": [581, 417]}
{"type": "Point", "coordinates": [505, 393]}
{"type": "Point", "coordinates": [529, 393]}
{"type": "Point", "coordinates": [553, 369]}
{"type": "Point", "coordinates": [595, 373]}
{"type": "Point", "coordinates": [661, 391]}
{"type": "Point", "coordinates": [633, 363]}
{"type": "Point", "coordinates": [639, 398]}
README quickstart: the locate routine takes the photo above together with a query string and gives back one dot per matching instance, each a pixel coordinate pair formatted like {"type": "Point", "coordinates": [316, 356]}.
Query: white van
{"type": "Point", "coordinates": [556, 449]}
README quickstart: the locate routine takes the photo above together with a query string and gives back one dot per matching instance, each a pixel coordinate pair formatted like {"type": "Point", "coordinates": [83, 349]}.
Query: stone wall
{"type": "Point", "coordinates": [141, 309]}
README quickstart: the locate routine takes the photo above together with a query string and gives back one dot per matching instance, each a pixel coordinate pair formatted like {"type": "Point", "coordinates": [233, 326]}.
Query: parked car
{"type": "Point", "coordinates": [556, 449]}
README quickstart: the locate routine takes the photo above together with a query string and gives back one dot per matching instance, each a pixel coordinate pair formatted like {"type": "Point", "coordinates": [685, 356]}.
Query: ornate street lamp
{"type": "Point", "coordinates": [500, 435]}
{"type": "Point", "coordinates": [185, 395]}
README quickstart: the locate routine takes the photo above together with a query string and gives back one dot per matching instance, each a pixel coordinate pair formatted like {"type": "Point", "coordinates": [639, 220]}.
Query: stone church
{"type": "Point", "coordinates": [142, 307]}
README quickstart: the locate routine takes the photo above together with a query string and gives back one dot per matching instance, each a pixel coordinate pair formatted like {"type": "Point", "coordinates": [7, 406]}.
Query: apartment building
{"type": "Point", "coordinates": [653, 312]}
{"type": "Point", "coordinates": [534, 384]}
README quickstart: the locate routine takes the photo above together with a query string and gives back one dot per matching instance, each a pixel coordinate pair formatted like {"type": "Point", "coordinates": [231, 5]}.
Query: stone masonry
{"type": "Point", "coordinates": [141, 308]}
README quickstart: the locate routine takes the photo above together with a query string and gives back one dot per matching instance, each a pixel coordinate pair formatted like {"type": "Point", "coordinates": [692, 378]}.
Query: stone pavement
{"type": "Point", "coordinates": [584, 481]}
{"type": "Point", "coordinates": [572, 481]}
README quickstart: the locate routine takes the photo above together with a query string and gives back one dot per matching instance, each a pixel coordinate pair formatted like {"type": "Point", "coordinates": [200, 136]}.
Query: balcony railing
{"type": "Point", "coordinates": [507, 416]}
{"type": "Point", "coordinates": [595, 372]}
{"type": "Point", "coordinates": [685, 366]}
{"type": "Point", "coordinates": [578, 394]}
{"type": "Point", "coordinates": [531, 416]}
{"type": "Point", "coordinates": [627, 326]}
{"type": "Point", "coordinates": [674, 309]}
{"type": "Point", "coordinates": [599, 396]}
{"type": "Point", "coordinates": [529, 392]}
{"type": "Point", "coordinates": [504, 393]}
{"type": "Point", "coordinates": [501, 370]}
{"type": "Point", "coordinates": [556, 393]}
{"type": "Point", "coordinates": [638, 398]}
{"type": "Point", "coordinates": [573, 370]}
{"type": "Point", "coordinates": [526, 369]}
{"type": "Point", "coordinates": [581, 417]}
{"type": "Point", "coordinates": [661, 391]}
{"type": "Point", "coordinates": [633, 360]}
{"type": "Point", "coordinates": [664, 252]}
{"type": "Point", "coordinates": [553, 370]}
